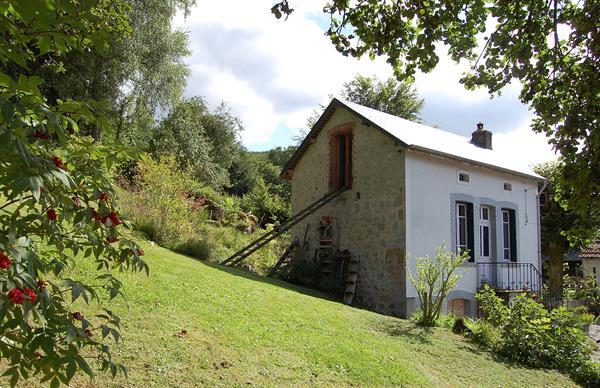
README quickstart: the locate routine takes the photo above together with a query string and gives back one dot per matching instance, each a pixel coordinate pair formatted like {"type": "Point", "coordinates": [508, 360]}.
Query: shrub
{"type": "Point", "coordinates": [484, 333]}
{"type": "Point", "coordinates": [531, 334]}
{"type": "Point", "coordinates": [434, 280]}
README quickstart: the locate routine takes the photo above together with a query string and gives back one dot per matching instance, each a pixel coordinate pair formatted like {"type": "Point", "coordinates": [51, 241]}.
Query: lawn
{"type": "Point", "coordinates": [191, 324]}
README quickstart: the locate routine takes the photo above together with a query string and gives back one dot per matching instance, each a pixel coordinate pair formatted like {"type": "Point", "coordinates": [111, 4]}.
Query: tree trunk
{"type": "Point", "coordinates": [556, 252]}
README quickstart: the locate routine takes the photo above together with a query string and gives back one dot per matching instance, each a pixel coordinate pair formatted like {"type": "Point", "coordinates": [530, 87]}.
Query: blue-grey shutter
{"type": "Point", "coordinates": [513, 234]}
{"type": "Point", "coordinates": [470, 232]}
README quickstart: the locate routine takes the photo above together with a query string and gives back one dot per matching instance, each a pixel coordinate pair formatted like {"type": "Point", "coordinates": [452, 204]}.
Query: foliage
{"type": "Point", "coordinates": [434, 279]}
{"type": "Point", "coordinates": [533, 335]}
{"type": "Point", "coordinates": [164, 187]}
{"type": "Point", "coordinates": [200, 140]}
{"type": "Point", "coordinates": [555, 222]}
{"type": "Point", "coordinates": [142, 72]}
{"type": "Point", "coordinates": [247, 167]}
{"type": "Point", "coordinates": [390, 96]}
{"type": "Point", "coordinates": [484, 333]}
{"type": "Point", "coordinates": [165, 210]}
{"type": "Point", "coordinates": [443, 320]}
{"type": "Point", "coordinates": [263, 204]}
{"type": "Point", "coordinates": [493, 308]}
{"type": "Point", "coordinates": [550, 47]}
{"type": "Point", "coordinates": [586, 290]}
{"type": "Point", "coordinates": [58, 204]}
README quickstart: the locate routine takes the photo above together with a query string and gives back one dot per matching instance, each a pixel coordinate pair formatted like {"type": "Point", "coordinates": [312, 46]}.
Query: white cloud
{"type": "Point", "coordinates": [274, 72]}
{"type": "Point", "coordinates": [525, 147]}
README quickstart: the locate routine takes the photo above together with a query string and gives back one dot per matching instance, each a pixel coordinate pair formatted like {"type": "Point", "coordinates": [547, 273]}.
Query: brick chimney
{"type": "Point", "coordinates": [482, 137]}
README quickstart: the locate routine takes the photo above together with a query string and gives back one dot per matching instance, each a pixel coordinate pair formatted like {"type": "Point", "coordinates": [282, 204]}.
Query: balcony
{"type": "Point", "coordinates": [506, 276]}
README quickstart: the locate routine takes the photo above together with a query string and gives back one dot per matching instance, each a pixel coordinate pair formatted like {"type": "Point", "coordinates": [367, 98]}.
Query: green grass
{"type": "Point", "coordinates": [192, 324]}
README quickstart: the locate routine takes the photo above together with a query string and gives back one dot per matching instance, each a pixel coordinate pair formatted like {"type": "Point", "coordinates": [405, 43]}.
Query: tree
{"type": "Point", "coordinates": [434, 279]}
{"type": "Point", "coordinates": [393, 97]}
{"type": "Point", "coordinates": [200, 140]}
{"type": "Point", "coordinates": [550, 46]}
{"type": "Point", "coordinates": [143, 72]}
{"type": "Point", "coordinates": [555, 221]}
{"type": "Point", "coordinates": [56, 200]}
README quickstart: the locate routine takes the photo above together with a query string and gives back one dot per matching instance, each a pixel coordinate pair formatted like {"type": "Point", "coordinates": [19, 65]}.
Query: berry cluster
{"type": "Point", "coordinates": [5, 261]}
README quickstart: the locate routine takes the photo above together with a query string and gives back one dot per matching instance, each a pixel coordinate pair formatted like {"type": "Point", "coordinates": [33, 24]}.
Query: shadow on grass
{"type": "Point", "coordinates": [404, 329]}
{"type": "Point", "coordinates": [236, 271]}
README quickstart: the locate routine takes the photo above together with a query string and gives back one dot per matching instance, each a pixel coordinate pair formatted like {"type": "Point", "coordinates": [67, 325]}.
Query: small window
{"type": "Point", "coordinates": [507, 186]}
{"type": "Point", "coordinates": [464, 177]}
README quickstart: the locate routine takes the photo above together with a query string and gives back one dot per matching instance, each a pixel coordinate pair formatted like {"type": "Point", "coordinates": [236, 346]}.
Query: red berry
{"type": "Point", "coordinates": [103, 219]}
{"type": "Point", "coordinates": [15, 296]}
{"type": "Point", "coordinates": [112, 239]}
{"type": "Point", "coordinates": [77, 316]}
{"type": "Point", "coordinates": [51, 213]}
{"type": "Point", "coordinates": [114, 218]}
{"type": "Point", "coordinates": [58, 162]}
{"type": "Point", "coordinates": [88, 332]}
{"type": "Point", "coordinates": [5, 261]}
{"type": "Point", "coordinates": [40, 285]}
{"type": "Point", "coordinates": [31, 294]}
{"type": "Point", "coordinates": [95, 215]}
{"type": "Point", "coordinates": [104, 196]}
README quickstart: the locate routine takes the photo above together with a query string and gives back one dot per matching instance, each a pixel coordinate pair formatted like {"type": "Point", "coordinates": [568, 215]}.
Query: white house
{"type": "Point", "coordinates": [410, 187]}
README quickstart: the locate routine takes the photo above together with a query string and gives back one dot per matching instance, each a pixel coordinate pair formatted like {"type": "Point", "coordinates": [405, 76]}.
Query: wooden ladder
{"type": "Point", "coordinates": [277, 231]}
{"type": "Point", "coordinates": [287, 254]}
{"type": "Point", "coordinates": [351, 279]}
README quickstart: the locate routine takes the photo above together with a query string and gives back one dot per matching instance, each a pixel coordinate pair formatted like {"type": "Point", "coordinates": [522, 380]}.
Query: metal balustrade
{"type": "Point", "coordinates": [509, 276]}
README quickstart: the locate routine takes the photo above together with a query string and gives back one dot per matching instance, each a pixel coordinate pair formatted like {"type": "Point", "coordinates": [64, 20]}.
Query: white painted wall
{"type": "Point", "coordinates": [430, 183]}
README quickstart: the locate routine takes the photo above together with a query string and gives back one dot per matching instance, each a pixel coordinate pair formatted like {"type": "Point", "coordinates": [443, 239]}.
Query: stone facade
{"type": "Point", "coordinates": [369, 217]}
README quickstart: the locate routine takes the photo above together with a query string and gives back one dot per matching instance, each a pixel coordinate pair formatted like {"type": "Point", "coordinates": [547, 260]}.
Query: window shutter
{"type": "Point", "coordinates": [513, 235]}
{"type": "Point", "coordinates": [470, 232]}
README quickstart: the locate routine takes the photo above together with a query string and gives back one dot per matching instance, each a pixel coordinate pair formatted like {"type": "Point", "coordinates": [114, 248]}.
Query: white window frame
{"type": "Point", "coordinates": [506, 248]}
{"type": "Point", "coordinates": [462, 172]}
{"type": "Point", "coordinates": [461, 247]}
{"type": "Point", "coordinates": [485, 223]}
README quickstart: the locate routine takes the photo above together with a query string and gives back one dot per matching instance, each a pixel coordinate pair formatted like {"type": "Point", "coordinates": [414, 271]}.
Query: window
{"type": "Point", "coordinates": [507, 186]}
{"type": "Point", "coordinates": [464, 177]}
{"type": "Point", "coordinates": [485, 235]}
{"type": "Point", "coordinates": [464, 228]}
{"type": "Point", "coordinates": [341, 173]}
{"type": "Point", "coordinates": [509, 235]}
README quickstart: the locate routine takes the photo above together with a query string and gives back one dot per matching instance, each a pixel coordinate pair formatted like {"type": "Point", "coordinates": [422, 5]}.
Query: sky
{"type": "Point", "coordinates": [273, 73]}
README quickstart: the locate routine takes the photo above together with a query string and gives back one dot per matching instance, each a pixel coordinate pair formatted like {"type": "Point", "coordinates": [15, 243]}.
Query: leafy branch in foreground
{"type": "Point", "coordinates": [57, 204]}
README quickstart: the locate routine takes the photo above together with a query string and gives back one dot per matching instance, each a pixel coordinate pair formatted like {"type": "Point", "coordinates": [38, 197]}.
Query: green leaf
{"type": "Point", "coordinates": [84, 365]}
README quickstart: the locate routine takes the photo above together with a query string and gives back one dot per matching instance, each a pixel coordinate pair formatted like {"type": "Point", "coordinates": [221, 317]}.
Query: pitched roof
{"type": "Point", "coordinates": [592, 251]}
{"type": "Point", "coordinates": [418, 137]}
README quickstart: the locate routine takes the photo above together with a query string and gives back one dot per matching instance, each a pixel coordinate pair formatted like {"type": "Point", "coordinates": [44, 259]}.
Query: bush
{"type": "Point", "coordinates": [434, 280]}
{"type": "Point", "coordinates": [484, 333]}
{"type": "Point", "coordinates": [531, 334]}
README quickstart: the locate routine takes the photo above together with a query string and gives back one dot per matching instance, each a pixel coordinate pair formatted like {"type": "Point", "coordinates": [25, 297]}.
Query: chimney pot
{"type": "Point", "coordinates": [482, 138]}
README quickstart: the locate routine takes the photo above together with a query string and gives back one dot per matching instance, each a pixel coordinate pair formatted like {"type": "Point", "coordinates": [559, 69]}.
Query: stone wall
{"type": "Point", "coordinates": [369, 217]}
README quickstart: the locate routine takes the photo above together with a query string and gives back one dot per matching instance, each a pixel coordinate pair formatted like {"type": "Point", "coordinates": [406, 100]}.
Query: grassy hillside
{"type": "Point", "coordinates": [190, 324]}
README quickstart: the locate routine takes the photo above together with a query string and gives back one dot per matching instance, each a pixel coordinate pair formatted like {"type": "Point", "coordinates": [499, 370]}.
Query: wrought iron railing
{"type": "Point", "coordinates": [510, 276]}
